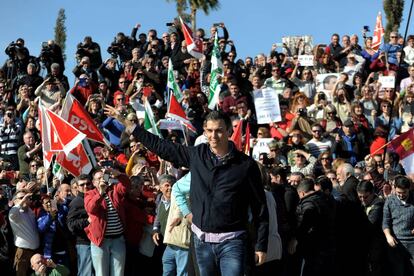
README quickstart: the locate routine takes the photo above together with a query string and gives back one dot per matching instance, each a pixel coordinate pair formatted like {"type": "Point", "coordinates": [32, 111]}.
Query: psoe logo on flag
{"type": "Point", "coordinates": [407, 144]}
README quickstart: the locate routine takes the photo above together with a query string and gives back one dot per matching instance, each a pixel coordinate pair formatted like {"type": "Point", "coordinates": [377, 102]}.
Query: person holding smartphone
{"type": "Point", "coordinates": [107, 217]}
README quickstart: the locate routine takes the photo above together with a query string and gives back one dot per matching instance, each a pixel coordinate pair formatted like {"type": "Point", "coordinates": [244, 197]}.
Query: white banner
{"type": "Point", "coordinates": [170, 124]}
{"type": "Point", "coordinates": [305, 60]}
{"type": "Point", "coordinates": [387, 81]}
{"type": "Point", "coordinates": [260, 147]}
{"type": "Point", "coordinates": [267, 106]}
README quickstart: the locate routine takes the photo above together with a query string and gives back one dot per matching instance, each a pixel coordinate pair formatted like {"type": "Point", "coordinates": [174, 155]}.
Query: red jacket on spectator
{"type": "Point", "coordinates": [96, 208]}
{"type": "Point", "coordinates": [82, 93]}
{"type": "Point", "coordinates": [229, 101]}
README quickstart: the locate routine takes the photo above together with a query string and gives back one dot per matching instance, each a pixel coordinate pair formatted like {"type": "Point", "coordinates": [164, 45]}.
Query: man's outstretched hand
{"type": "Point", "coordinates": [111, 111]}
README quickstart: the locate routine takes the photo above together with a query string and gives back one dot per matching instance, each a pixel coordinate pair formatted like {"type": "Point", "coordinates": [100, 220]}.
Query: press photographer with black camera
{"type": "Point", "coordinates": [90, 49]}
{"type": "Point", "coordinates": [51, 53]}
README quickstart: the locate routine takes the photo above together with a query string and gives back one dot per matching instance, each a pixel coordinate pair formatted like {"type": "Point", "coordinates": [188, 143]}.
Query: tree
{"type": "Point", "coordinates": [194, 5]}
{"type": "Point", "coordinates": [60, 31]}
{"type": "Point", "coordinates": [393, 11]}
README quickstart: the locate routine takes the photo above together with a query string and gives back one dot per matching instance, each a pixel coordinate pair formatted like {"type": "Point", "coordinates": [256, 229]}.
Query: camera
{"type": "Point", "coordinates": [216, 24]}
{"type": "Point", "coordinates": [302, 111]}
{"type": "Point", "coordinates": [5, 166]}
{"type": "Point", "coordinates": [366, 29]}
{"type": "Point", "coordinates": [169, 24]}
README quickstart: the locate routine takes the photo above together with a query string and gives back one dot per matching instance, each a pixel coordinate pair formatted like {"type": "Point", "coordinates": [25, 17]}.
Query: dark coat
{"type": "Point", "coordinates": [220, 193]}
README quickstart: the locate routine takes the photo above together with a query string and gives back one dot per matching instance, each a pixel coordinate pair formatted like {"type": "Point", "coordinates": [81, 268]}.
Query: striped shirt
{"type": "Point", "coordinates": [9, 139]}
{"type": "Point", "coordinates": [114, 226]}
{"type": "Point", "coordinates": [317, 147]}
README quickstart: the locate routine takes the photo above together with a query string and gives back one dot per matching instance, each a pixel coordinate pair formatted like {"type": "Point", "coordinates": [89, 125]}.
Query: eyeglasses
{"type": "Point", "coordinates": [260, 133]}
{"type": "Point", "coordinates": [122, 82]}
{"type": "Point", "coordinates": [325, 158]}
{"type": "Point", "coordinates": [120, 99]}
{"type": "Point", "coordinates": [393, 36]}
{"type": "Point", "coordinates": [300, 156]}
{"type": "Point", "coordinates": [84, 184]}
{"type": "Point", "coordinates": [33, 165]}
{"type": "Point", "coordinates": [316, 130]}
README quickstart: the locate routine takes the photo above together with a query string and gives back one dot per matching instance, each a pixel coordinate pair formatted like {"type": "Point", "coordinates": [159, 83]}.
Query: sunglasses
{"type": "Point", "coordinates": [120, 99]}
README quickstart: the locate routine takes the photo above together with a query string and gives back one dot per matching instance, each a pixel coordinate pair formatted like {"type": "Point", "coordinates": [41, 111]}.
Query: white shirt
{"type": "Point", "coordinates": [24, 226]}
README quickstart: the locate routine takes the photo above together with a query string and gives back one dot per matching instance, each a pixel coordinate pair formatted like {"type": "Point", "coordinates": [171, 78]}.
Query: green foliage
{"type": "Point", "coordinates": [393, 11]}
{"type": "Point", "coordinates": [205, 5]}
{"type": "Point", "coordinates": [60, 31]}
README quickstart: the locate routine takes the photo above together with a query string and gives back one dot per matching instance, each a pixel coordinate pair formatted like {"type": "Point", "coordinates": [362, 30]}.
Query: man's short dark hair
{"type": "Point", "coordinates": [325, 183]}
{"type": "Point", "coordinates": [83, 177]}
{"type": "Point", "coordinates": [402, 182]}
{"type": "Point", "coordinates": [365, 186]}
{"type": "Point", "coordinates": [278, 171]}
{"type": "Point", "coordinates": [137, 179]}
{"type": "Point", "coordinates": [306, 185]}
{"type": "Point", "coordinates": [219, 115]}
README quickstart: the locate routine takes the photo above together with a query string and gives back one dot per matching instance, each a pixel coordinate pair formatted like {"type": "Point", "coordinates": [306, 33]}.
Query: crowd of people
{"type": "Point", "coordinates": [326, 197]}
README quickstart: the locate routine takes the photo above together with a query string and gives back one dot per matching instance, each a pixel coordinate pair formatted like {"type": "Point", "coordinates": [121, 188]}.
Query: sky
{"type": "Point", "coordinates": [253, 25]}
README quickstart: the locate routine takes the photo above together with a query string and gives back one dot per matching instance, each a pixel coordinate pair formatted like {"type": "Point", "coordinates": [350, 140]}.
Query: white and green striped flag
{"type": "Point", "coordinates": [172, 85]}
{"type": "Point", "coordinates": [216, 70]}
{"type": "Point", "coordinates": [149, 121]}
{"type": "Point", "coordinates": [58, 171]}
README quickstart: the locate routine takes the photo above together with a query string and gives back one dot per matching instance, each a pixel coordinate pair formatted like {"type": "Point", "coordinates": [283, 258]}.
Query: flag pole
{"type": "Point", "coordinates": [380, 148]}
{"type": "Point", "coordinates": [399, 65]}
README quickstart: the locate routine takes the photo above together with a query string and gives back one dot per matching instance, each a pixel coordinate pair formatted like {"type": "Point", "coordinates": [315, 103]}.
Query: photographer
{"type": "Point", "coordinates": [108, 71]}
{"type": "Point", "coordinates": [57, 73]}
{"type": "Point", "coordinates": [89, 49]}
{"type": "Point", "coordinates": [19, 58]}
{"type": "Point", "coordinates": [51, 53]}
{"type": "Point", "coordinates": [51, 92]}
{"type": "Point", "coordinates": [121, 47]}
{"type": "Point", "coordinates": [85, 67]}
{"type": "Point", "coordinates": [107, 217]}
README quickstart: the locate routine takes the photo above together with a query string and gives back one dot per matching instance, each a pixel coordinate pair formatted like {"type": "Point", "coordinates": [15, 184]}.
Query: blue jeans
{"type": "Point", "coordinates": [109, 259]}
{"type": "Point", "coordinates": [228, 257]}
{"type": "Point", "coordinates": [174, 261]}
{"type": "Point", "coordinates": [84, 259]}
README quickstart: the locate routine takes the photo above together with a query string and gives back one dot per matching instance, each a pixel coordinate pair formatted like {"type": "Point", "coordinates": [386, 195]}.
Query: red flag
{"type": "Point", "coordinates": [77, 116]}
{"type": "Point", "coordinates": [247, 140]}
{"type": "Point", "coordinates": [194, 45]}
{"type": "Point", "coordinates": [236, 137]}
{"type": "Point", "coordinates": [378, 33]}
{"type": "Point", "coordinates": [45, 131]}
{"type": "Point", "coordinates": [61, 131]}
{"type": "Point", "coordinates": [403, 145]}
{"type": "Point", "coordinates": [76, 162]}
{"type": "Point", "coordinates": [175, 111]}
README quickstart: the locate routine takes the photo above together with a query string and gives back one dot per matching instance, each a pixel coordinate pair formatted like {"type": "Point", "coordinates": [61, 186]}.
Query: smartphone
{"type": "Point", "coordinates": [107, 163]}
{"type": "Point", "coordinates": [106, 177]}
{"type": "Point", "coordinates": [169, 24]}
{"type": "Point", "coordinates": [216, 24]}
{"type": "Point", "coordinates": [366, 29]}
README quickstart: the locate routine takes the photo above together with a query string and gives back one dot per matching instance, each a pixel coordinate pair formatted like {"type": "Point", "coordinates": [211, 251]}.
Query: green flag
{"type": "Point", "coordinates": [172, 84]}
{"type": "Point", "coordinates": [149, 121]}
{"type": "Point", "coordinates": [216, 71]}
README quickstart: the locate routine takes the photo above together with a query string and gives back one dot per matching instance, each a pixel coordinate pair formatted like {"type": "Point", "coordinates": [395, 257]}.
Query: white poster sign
{"type": "Point", "coordinates": [387, 81]}
{"type": "Point", "coordinates": [305, 60]}
{"type": "Point", "coordinates": [169, 124]}
{"type": "Point", "coordinates": [267, 106]}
